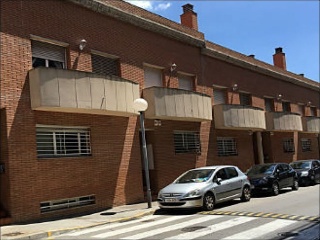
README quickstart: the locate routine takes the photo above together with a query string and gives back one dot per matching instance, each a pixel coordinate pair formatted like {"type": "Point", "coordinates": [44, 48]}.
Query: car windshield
{"type": "Point", "coordinates": [262, 169]}
{"type": "Point", "coordinates": [301, 165]}
{"type": "Point", "coordinates": [196, 175]}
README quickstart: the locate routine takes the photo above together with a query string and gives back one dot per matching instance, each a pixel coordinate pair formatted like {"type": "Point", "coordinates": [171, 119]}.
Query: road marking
{"type": "Point", "coordinates": [261, 230]}
{"type": "Point", "coordinates": [172, 227]}
{"type": "Point", "coordinates": [139, 227]}
{"type": "Point", "coordinates": [213, 228]}
{"type": "Point", "coordinates": [111, 225]}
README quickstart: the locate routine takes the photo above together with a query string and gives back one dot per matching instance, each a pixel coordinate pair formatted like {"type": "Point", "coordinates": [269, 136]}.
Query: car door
{"type": "Point", "coordinates": [235, 183]}
{"type": "Point", "coordinates": [316, 168]}
{"type": "Point", "coordinates": [281, 176]}
{"type": "Point", "coordinates": [221, 188]}
{"type": "Point", "coordinates": [288, 175]}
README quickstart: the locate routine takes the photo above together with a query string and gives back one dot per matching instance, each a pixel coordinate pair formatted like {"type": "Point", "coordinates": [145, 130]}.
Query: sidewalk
{"type": "Point", "coordinates": [46, 229]}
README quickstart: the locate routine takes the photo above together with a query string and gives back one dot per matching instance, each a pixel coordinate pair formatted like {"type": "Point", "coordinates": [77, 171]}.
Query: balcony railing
{"type": "Point", "coordinates": [177, 104]}
{"type": "Point", "coordinates": [238, 117]}
{"type": "Point", "coordinates": [81, 92]}
{"type": "Point", "coordinates": [283, 121]}
{"type": "Point", "coordinates": [311, 124]}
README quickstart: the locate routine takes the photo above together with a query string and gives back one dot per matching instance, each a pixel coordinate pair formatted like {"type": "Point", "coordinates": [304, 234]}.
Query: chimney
{"type": "Point", "coordinates": [251, 55]}
{"type": "Point", "coordinates": [279, 59]}
{"type": "Point", "coordinates": [189, 17]}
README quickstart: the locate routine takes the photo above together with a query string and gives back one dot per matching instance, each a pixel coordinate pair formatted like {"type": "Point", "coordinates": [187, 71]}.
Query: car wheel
{"type": "Point", "coordinates": [295, 185]}
{"type": "Point", "coordinates": [208, 202]}
{"type": "Point", "coordinates": [275, 189]}
{"type": "Point", "coordinates": [246, 194]}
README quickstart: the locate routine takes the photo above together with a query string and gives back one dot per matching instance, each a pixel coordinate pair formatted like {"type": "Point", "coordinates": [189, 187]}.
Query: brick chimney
{"type": "Point", "coordinates": [279, 59]}
{"type": "Point", "coordinates": [189, 17]}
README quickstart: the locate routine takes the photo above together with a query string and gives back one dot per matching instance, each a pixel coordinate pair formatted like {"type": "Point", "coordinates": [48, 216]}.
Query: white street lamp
{"type": "Point", "coordinates": [141, 105]}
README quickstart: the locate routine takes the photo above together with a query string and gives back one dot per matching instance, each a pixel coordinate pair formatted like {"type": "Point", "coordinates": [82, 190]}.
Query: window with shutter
{"type": "Point", "coordinates": [269, 104]}
{"type": "Point", "coordinates": [286, 106]}
{"type": "Point", "coordinates": [245, 99]}
{"type": "Point", "coordinates": [185, 82]}
{"type": "Point", "coordinates": [105, 65]}
{"type": "Point", "coordinates": [219, 97]}
{"type": "Point", "coordinates": [47, 55]}
{"type": "Point", "coordinates": [152, 77]}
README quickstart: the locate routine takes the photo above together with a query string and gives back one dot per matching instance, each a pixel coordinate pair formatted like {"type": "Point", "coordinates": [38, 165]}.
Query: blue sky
{"type": "Point", "coordinates": [256, 27]}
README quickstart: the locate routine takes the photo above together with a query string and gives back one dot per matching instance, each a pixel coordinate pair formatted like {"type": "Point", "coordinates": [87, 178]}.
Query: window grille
{"type": "Point", "coordinates": [105, 65]}
{"type": "Point", "coordinates": [219, 97]}
{"type": "Point", "coordinates": [227, 147]}
{"type": "Point", "coordinates": [152, 77]}
{"type": "Point", "coordinates": [306, 145]}
{"type": "Point", "coordinates": [288, 145]}
{"type": "Point", "coordinates": [67, 203]}
{"type": "Point", "coordinates": [47, 55]}
{"type": "Point", "coordinates": [245, 99]}
{"type": "Point", "coordinates": [187, 142]}
{"type": "Point", "coordinates": [62, 142]}
{"type": "Point", "coordinates": [185, 82]}
{"type": "Point", "coordinates": [286, 107]}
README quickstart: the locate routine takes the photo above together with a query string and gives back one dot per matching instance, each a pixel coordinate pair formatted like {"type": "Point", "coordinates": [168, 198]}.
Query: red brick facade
{"type": "Point", "coordinates": [113, 172]}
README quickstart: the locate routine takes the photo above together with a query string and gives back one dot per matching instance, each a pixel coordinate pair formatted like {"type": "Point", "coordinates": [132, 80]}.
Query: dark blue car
{"type": "Point", "coordinates": [308, 171]}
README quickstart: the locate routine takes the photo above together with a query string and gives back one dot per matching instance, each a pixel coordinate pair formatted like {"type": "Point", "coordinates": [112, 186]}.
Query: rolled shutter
{"type": "Point", "coordinates": [48, 51]}
{"type": "Point", "coordinates": [219, 97]}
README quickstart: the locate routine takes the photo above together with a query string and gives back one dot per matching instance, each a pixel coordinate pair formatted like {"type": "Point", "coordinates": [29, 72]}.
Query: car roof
{"type": "Point", "coordinates": [214, 167]}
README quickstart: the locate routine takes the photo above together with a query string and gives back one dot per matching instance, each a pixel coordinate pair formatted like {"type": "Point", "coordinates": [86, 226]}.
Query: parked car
{"type": "Point", "coordinates": [204, 187]}
{"type": "Point", "coordinates": [272, 177]}
{"type": "Point", "coordinates": [308, 171]}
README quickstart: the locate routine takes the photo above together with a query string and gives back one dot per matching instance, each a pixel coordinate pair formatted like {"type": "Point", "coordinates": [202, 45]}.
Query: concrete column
{"type": "Point", "coordinates": [296, 144]}
{"type": "Point", "coordinates": [260, 147]}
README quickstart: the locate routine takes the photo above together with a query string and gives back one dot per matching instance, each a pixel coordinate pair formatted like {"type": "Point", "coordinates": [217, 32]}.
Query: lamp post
{"type": "Point", "coordinates": [141, 106]}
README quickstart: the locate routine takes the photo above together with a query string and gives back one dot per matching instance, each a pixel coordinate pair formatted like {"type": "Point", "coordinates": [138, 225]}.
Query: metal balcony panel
{"type": "Point", "coordinates": [81, 92]}
{"type": "Point", "coordinates": [177, 104]}
{"type": "Point", "coordinates": [238, 117]}
{"type": "Point", "coordinates": [283, 121]}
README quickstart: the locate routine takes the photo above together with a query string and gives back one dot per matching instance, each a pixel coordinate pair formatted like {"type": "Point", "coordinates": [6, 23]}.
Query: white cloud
{"type": "Point", "coordinates": [150, 5]}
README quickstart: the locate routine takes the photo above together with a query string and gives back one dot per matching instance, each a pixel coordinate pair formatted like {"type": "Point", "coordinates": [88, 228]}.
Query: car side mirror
{"type": "Point", "coordinates": [218, 180]}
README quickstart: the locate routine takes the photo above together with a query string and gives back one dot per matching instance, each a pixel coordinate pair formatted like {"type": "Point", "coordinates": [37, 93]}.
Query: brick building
{"type": "Point", "coordinates": [70, 71]}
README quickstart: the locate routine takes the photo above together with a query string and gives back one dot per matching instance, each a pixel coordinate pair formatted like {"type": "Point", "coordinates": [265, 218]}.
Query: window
{"type": "Point", "coordinates": [232, 172]}
{"type": "Point", "coordinates": [47, 55]}
{"type": "Point", "coordinates": [62, 142]}
{"type": "Point", "coordinates": [313, 111]}
{"type": "Point", "coordinates": [187, 142]}
{"type": "Point", "coordinates": [306, 145]}
{"type": "Point", "coordinates": [152, 77]}
{"type": "Point", "coordinates": [219, 97]}
{"type": "Point", "coordinates": [269, 104]}
{"type": "Point", "coordinates": [286, 106]}
{"type": "Point", "coordinates": [185, 82]}
{"type": "Point", "coordinates": [245, 99]}
{"type": "Point", "coordinates": [227, 147]}
{"type": "Point", "coordinates": [67, 203]}
{"type": "Point", "coordinates": [301, 109]}
{"type": "Point", "coordinates": [288, 145]}
{"type": "Point", "coordinates": [105, 65]}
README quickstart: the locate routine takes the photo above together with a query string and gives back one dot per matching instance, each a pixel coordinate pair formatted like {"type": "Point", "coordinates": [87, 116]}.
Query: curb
{"type": "Point", "coordinates": [49, 234]}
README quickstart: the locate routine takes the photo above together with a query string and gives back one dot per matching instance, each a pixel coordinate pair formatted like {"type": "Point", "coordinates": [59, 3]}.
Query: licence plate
{"type": "Point", "coordinates": [171, 200]}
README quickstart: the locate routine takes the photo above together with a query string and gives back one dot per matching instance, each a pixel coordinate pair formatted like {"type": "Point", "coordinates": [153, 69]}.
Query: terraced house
{"type": "Point", "coordinates": [70, 71]}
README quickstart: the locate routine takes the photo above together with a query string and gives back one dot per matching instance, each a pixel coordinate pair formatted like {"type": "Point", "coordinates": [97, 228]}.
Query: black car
{"type": "Point", "coordinates": [271, 177]}
{"type": "Point", "coordinates": [308, 171]}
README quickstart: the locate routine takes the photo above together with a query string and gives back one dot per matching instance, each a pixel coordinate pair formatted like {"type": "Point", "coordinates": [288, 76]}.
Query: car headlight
{"type": "Point", "coordinates": [193, 193]}
{"type": "Point", "coordinates": [160, 194]}
{"type": "Point", "coordinates": [304, 173]}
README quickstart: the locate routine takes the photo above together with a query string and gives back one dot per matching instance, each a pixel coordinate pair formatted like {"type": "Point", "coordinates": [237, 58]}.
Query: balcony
{"type": "Point", "coordinates": [283, 121]}
{"type": "Point", "coordinates": [72, 91]}
{"type": "Point", "coordinates": [311, 124]}
{"type": "Point", "coordinates": [238, 117]}
{"type": "Point", "coordinates": [177, 104]}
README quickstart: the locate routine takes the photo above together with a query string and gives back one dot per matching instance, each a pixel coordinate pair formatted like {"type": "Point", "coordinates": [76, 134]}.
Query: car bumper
{"type": "Point", "coordinates": [181, 203]}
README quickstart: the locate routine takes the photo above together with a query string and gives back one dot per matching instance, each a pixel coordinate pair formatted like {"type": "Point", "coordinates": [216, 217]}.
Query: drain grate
{"type": "Point", "coordinates": [192, 229]}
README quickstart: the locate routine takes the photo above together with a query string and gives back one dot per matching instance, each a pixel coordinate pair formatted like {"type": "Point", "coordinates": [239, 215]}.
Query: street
{"type": "Point", "coordinates": [265, 217]}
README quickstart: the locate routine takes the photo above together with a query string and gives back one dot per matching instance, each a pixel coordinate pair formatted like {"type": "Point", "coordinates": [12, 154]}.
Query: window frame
{"type": "Point", "coordinates": [306, 145]}
{"type": "Point", "coordinates": [288, 145]}
{"type": "Point", "coordinates": [224, 149]}
{"type": "Point", "coordinates": [187, 146]}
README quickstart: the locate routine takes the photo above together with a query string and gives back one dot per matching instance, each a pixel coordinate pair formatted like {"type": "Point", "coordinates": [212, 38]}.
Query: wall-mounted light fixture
{"type": "Point", "coordinates": [173, 67]}
{"type": "Point", "coordinates": [82, 44]}
{"type": "Point", "coordinates": [309, 103]}
{"type": "Point", "coordinates": [250, 132]}
{"type": "Point", "coordinates": [235, 87]}
{"type": "Point", "coordinates": [157, 123]}
{"type": "Point", "coordinates": [279, 97]}
{"type": "Point", "coordinates": [271, 133]}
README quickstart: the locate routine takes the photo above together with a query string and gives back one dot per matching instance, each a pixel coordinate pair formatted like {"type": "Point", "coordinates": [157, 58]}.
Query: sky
{"type": "Point", "coordinates": [256, 27]}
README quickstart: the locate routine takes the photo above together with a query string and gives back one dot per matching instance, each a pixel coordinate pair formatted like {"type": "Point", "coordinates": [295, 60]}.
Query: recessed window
{"type": "Point", "coordinates": [306, 145]}
{"type": "Point", "coordinates": [62, 142]}
{"type": "Point", "coordinates": [288, 145]}
{"type": "Point", "coordinates": [219, 97]}
{"type": "Point", "coordinates": [187, 142]}
{"type": "Point", "coordinates": [185, 82]}
{"type": "Point", "coordinates": [286, 106]}
{"type": "Point", "coordinates": [245, 99]}
{"type": "Point", "coordinates": [227, 146]}
{"type": "Point", "coordinates": [301, 109]}
{"type": "Point", "coordinates": [105, 65]}
{"type": "Point", "coordinates": [47, 55]}
{"type": "Point", "coordinates": [313, 111]}
{"type": "Point", "coordinates": [269, 104]}
{"type": "Point", "coordinates": [152, 77]}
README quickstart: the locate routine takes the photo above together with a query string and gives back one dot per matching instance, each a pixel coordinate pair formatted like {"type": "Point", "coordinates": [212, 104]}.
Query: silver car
{"type": "Point", "coordinates": [204, 187]}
